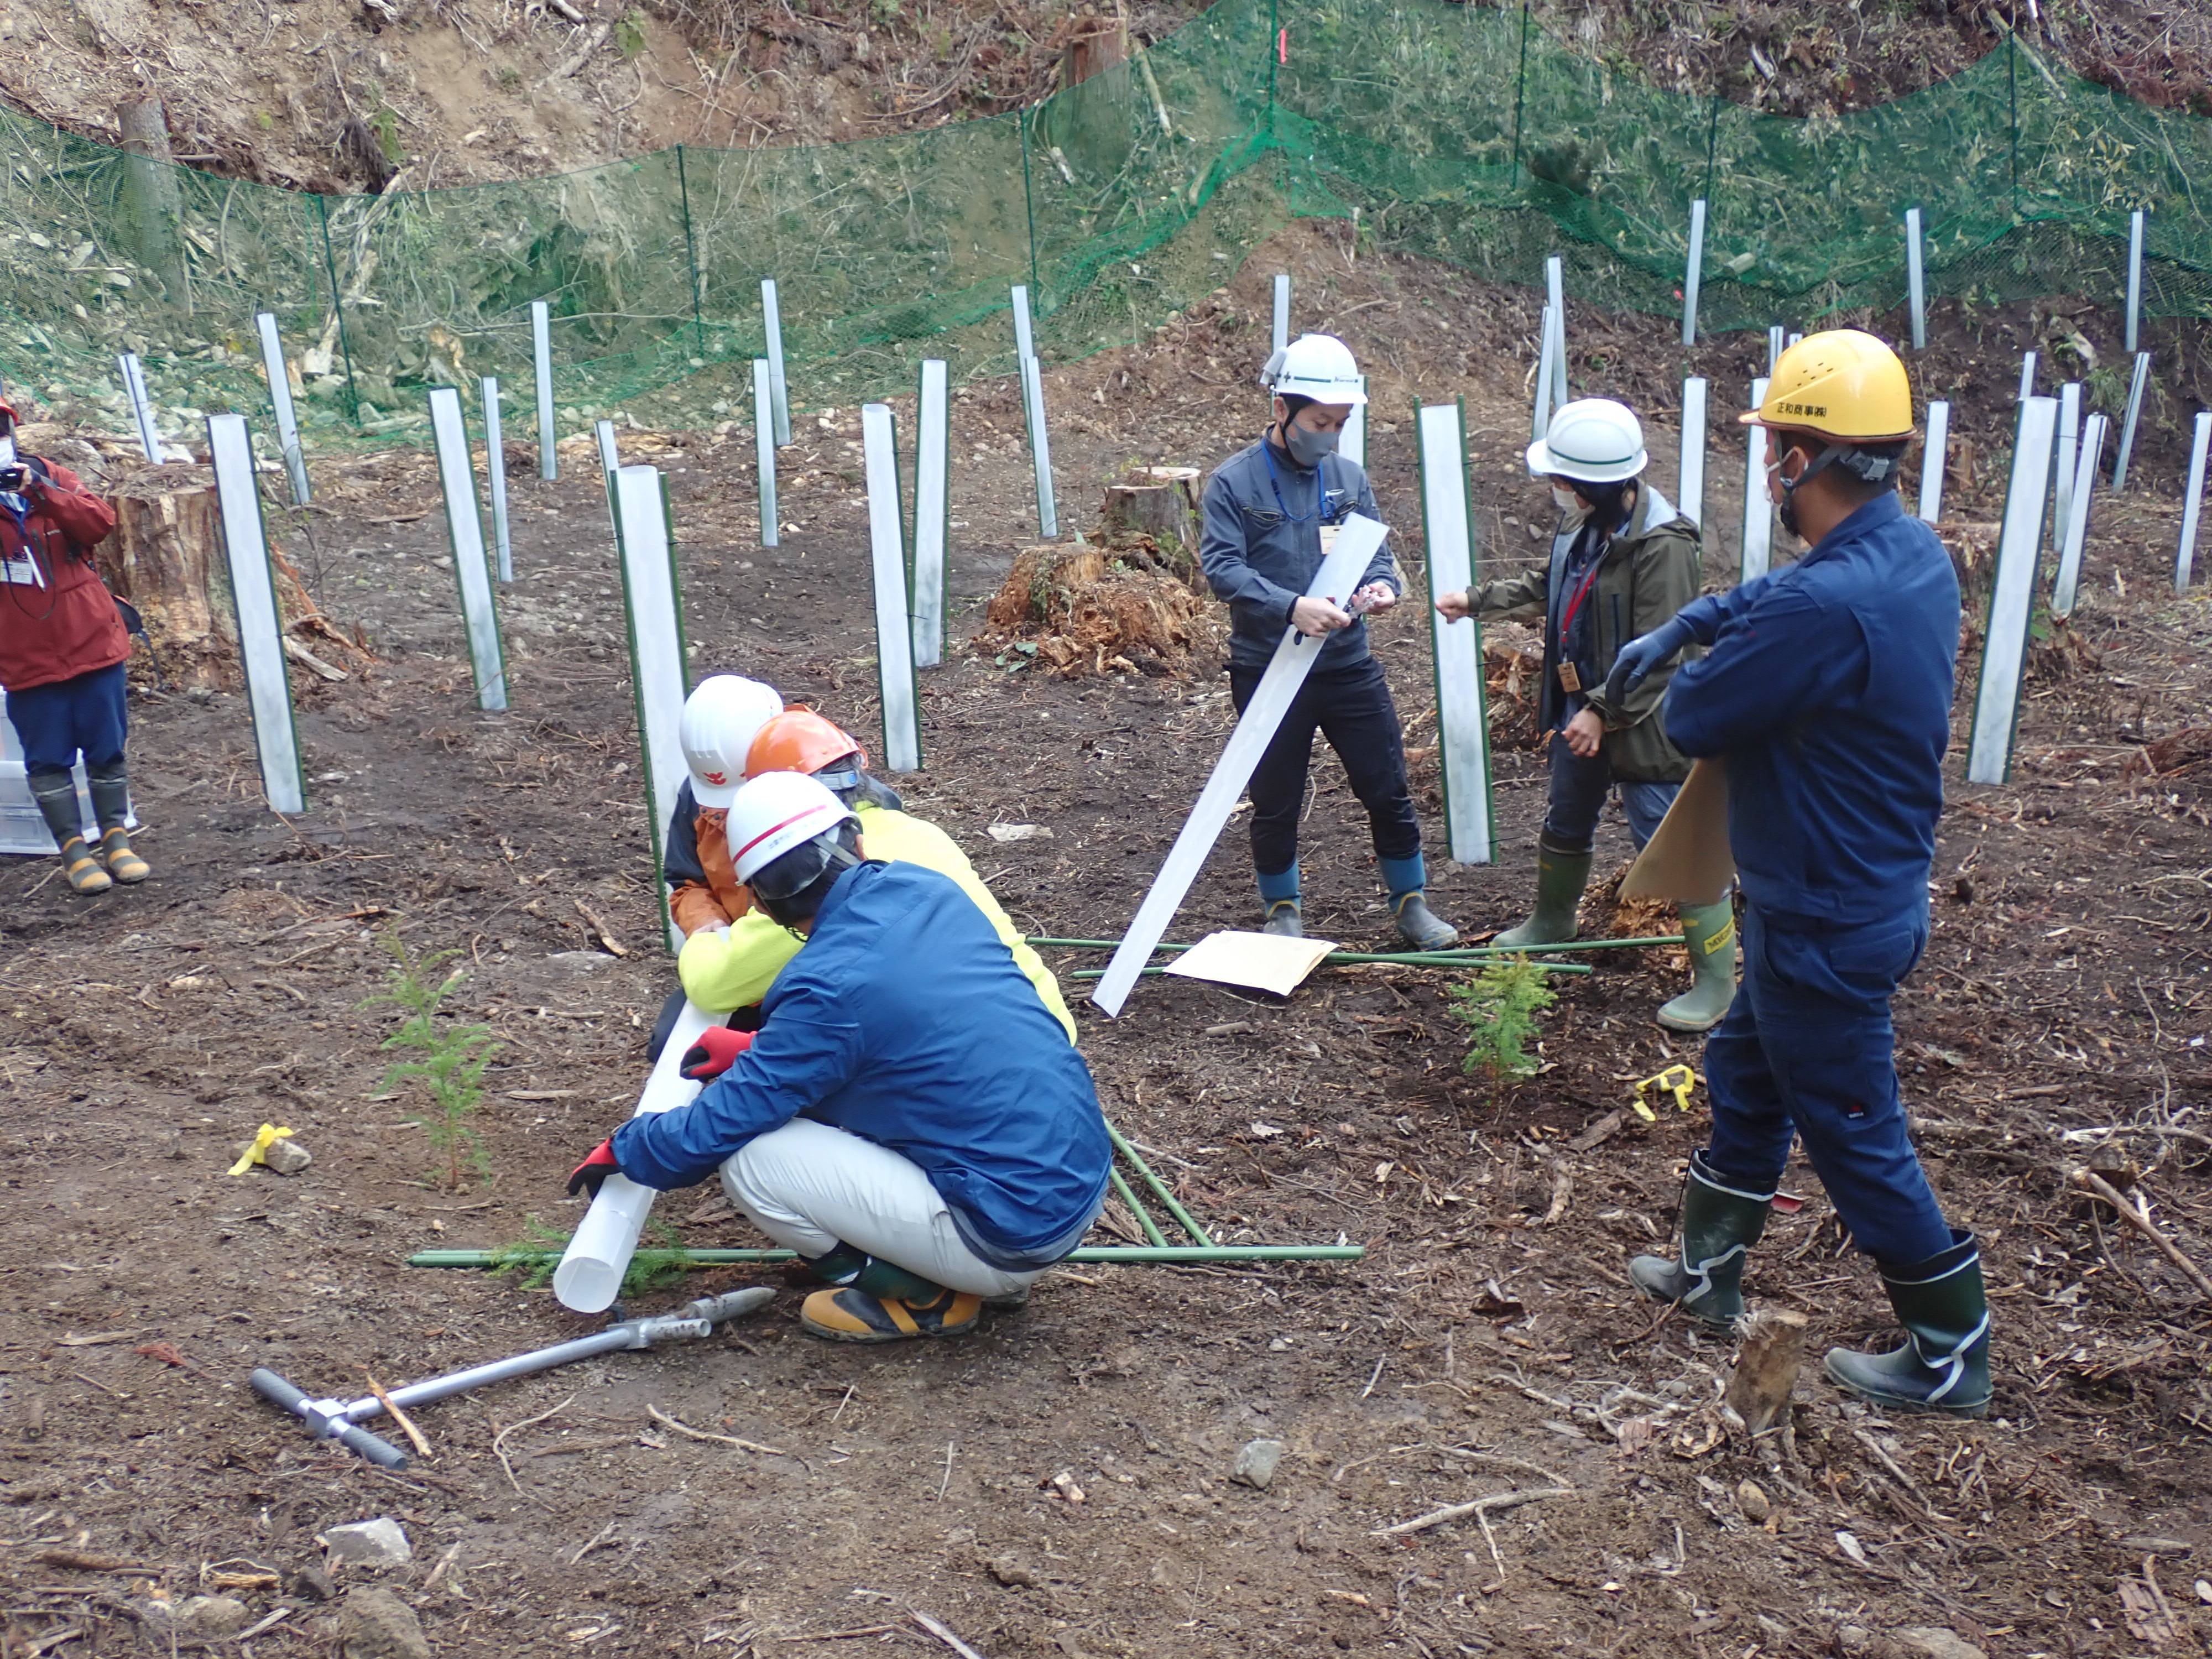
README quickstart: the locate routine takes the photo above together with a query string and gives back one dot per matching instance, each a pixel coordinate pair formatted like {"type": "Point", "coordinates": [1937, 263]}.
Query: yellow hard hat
{"type": "Point", "coordinates": [1843, 385]}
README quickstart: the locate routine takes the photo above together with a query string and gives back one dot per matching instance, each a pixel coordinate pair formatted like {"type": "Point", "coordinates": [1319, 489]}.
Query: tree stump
{"type": "Point", "coordinates": [166, 558]}
{"type": "Point", "coordinates": [1161, 502]}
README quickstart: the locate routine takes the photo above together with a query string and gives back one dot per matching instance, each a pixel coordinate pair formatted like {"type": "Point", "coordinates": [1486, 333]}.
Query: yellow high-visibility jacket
{"type": "Point", "coordinates": [731, 967]}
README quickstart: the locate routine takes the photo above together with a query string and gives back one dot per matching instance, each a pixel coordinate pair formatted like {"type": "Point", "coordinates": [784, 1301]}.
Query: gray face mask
{"type": "Point", "coordinates": [1306, 446]}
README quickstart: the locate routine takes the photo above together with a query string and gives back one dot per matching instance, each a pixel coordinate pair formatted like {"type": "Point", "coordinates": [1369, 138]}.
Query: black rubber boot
{"type": "Point", "coordinates": [1944, 1365]}
{"type": "Point", "coordinates": [1720, 1224]}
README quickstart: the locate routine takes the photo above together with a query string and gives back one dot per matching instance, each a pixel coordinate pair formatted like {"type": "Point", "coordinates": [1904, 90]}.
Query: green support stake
{"type": "Point", "coordinates": [1159, 1188]}
{"type": "Point", "coordinates": [1144, 1217]}
{"type": "Point", "coordinates": [1135, 1256]}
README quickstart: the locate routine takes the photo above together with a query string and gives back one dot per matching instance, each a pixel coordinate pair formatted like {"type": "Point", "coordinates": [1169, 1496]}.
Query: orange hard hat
{"type": "Point", "coordinates": [800, 740]}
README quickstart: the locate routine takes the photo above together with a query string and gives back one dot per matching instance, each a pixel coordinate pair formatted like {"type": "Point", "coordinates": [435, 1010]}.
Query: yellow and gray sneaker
{"type": "Point", "coordinates": [852, 1314]}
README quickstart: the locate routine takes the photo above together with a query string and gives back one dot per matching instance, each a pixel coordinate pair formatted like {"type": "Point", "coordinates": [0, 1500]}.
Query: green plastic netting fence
{"type": "Point", "coordinates": [1460, 132]}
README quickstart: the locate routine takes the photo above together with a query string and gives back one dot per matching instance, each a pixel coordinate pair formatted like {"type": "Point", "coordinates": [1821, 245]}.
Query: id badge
{"type": "Point", "coordinates": [22, 572]}
{"type": "Point", "coordinates": [1570, 680]}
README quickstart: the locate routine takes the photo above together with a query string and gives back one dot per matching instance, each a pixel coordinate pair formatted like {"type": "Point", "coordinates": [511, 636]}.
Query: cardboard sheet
{"type": "Point", "coordinates": [1262, 962]}
{"type": "Point", "coordinates": [1689, 860]}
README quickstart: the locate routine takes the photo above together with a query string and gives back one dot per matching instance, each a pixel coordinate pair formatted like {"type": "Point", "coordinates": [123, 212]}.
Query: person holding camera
{"type": "Point", "coordinates": [62, 649]}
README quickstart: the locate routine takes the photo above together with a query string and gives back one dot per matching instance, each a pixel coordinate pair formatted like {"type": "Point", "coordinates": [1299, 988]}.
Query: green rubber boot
{"type": "Point", "coordinates": [1560, 878]}
{"type": "Point", "coordinates": [1709, 931]}
{"type": "Point", "coordinates": [1719, 1226]}
{"type": "Point", "coordinates": [1944, 1365]}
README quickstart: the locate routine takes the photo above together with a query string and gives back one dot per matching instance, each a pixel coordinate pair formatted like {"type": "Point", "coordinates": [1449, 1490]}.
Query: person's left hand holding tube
{"type": "Point", "coordinates": [714, 1054]}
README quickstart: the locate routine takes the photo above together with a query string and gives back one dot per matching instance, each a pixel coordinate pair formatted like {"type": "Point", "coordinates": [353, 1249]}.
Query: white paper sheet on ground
{"type": "Point", "coordinates": [1693, 271]}
{"type": "Point", "coordinates": [1757, 509]}
{"type": "Point", "coordinates": [1688, 858]}
{"type": "Point", "coordinates": [1352, 443]}
{"type": "Point", "coordinates": [496, 476]}
{"type": "Point", "coordinates": [1040, 447]}
{"type": "Point", "coordinates": [1691, 496]}
{"type": "Point", "coordinates": [933, 479]}
{"type": "Point", "coordinates": [2012, 595]}
{"type": "Point", "coordinates": [2191, 504]}
{"type": "Point", "coordinates": [1281, 336]}
{"type": "Point", "coordinates": [1462, 727]}
{"type": "Point", "coordinates": [465, 528]}
{"type": "Point", "coordinates": [778, 388]}
{"type": "Point", "coordinates": [280, 400]}
{"type": "Point", "coordinates": [1914, 282]}
{"type": "Point", "coordinates": [1934, 456]}
{"type": "Point", "coordinates": [1263, 962]}
{"type": "Point", "coordinates": [654, 606]}
{"type": "Point", "coordinates": [1540, 412]}
{"type": "Point", "coordinates": [2136, 385]}
{"type": "Point", "coordinates": [254, 599]}
{"type": "Point", "coordinates": [2135, 277]}
{"type": "Point", "coordinates": [894, 611]}
{"type": "Point", "coordinates": [764, 449]}
{"type": "Point", "coordinates": [141, 406]}
{"type": "Point", "coordinates": [589, 1275]}
{"type": "Point", "coordinates": [2069, 443]}
{"type": "Point", "coordinates": [22, 827]}
{"type": "Point", "coordinates": [1361, 538]}
{"type": "Point", "coordinates": [541, 358]}
{"type": "Point", "coordinates": [2075, 536]}
{"type": "Point", "coordinates": [1024, 330]}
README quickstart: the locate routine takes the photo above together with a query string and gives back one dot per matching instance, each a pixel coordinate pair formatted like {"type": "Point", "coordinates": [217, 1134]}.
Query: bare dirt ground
{"type": "Point", "coordinates": [1487, 1343]}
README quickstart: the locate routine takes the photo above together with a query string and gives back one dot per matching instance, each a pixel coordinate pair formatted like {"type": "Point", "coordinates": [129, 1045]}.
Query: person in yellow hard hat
{"type": "Point", "coordinates": [732, 967]}
{"type": "Point", "coordinates": [1826, 688]}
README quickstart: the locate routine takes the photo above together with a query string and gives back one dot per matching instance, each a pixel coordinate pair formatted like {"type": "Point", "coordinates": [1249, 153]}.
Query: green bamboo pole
{"type": "Point", "coordinates": [1128, 1254]}
{"type": "Point", "coordinates": [1144, 1216]}
{"type": "Point", "coordinates": [1159, 1186]}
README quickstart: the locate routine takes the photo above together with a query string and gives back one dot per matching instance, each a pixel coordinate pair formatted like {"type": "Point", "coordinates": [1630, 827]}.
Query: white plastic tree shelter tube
{"type": "Point", "coordinates": [253, 596]}
{"type": "Point", "coordinates": [609, 457]}
{"type": "Point", "coordinates": [1757, 509]}
{"type": "Point", "coordinates": [1040, 447]}
{"type": "Point", "coordinates": [1357, 543]}
{"type": "Point", "coordinates": [778, 388]}
{"type": "Point", "coordinates": [2075, 531]}
{"type": "Point", "coordinates": [2135, 275]}
{"type": "Point", "coordinates": [2012, 595]}
{"type": "Point", "coordinates": [652, 603]}
{"type": "Point", "coordinates": [1025, 331]}
{"type": "Point", "coordinates": [465, 525]}
{"type": "Point", "coordinates": [1351, 443]}
{"type": "Point", "coordinates": [1914, 279]}
{"type": "Point", "coordinates": [1462, 726]}
{"type": "Point", "coordinates": [2026, 376]}
{"type": "Point", "coordinates": [1773, 347]}
{"type": "Point", "coordinates": [1555, 290]}
{"type": "Point", "coordinates": [589, 1275]}
{"type": "Point", "coordinates": [1693, 491]}
{"type": "Point", "coordinates": [141, 408]}
{"type": "Point", "coordinates": [1934, 456]}
{"type": "Point", "coordinates": [893, 613]}
{"type": "Point", "coordinates": [2069, 443]}
{"type": "Point", "coordinates": [280, 399]}
{"type": "Point", "coordinates": [1540, 412]}
{"type": "Point", "coordinates": [764, 448]}
{"type": "Point", "coordinates": [496, 476]}
{"type": "Point", "coordinates": [1282, 332]}
{"type": "Point", "coordinates": [541, 357]}
{"type": "Point", "coordinates": [2136, 386]}
{"type": "Point", "coordinates": [1693, 271]}
{"type": "Point", "coordinates": [2191, 504]}
{"type": "Point", "coordinates": [932, 481]}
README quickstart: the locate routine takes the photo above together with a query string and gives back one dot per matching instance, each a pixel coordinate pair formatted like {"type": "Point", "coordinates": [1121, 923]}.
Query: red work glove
{"type": "Point", "coordinates": [714, 1054]}
{"type": "Point", "coordinates": [595, 1169]}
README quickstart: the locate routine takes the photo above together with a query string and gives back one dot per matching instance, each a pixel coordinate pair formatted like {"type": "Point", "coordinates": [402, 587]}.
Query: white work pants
{"type": "Point", "coordinates": [810, 1187]}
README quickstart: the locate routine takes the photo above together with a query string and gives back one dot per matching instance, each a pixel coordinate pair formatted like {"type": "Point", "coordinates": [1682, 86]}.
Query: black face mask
{"type": "Point", "coordinates": [1788, 513]}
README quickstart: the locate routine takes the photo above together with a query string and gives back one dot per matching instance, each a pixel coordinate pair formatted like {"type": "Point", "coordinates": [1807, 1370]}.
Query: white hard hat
{"type": "Point", "coordinates": [777, 814]}
{"type": "Point", "coordinates": [1315, 365]}
{"type": "Point", "coordinates": [1593, 439]}
{"type": "Point", "coordinates": [720, 721]}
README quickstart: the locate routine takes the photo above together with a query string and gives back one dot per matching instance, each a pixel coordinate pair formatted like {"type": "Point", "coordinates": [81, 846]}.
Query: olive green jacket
{"type": "Point", "coordinates": [1647, 572]}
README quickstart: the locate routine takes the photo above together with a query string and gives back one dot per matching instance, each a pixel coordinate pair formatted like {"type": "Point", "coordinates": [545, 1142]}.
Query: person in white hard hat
{"type": "Point", "coordinates": [910, 1118]}
{"type": "Point", "coordinates": [1266, 509]}
{"type": "Point", "coordinates": [1623, 562]}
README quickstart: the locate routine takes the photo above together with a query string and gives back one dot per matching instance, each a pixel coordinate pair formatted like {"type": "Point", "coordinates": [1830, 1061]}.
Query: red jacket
{"type": "Point", "coordinates": [69, 627]}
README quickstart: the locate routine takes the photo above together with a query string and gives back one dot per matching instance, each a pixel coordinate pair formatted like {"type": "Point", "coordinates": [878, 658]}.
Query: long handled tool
{"type": "Point", "coordinates": [340, 1420]}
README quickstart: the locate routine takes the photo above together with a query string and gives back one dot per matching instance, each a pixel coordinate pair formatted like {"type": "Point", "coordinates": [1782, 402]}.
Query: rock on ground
{"type": "Point", "coordinates": [378, 1624]}
{"type": "Point", "coordinates": [1933, 1642]}
{"type": "Point", "coordinates": [1256, 1463]}
{"type": "Point", "coordinates": [378, 1543]}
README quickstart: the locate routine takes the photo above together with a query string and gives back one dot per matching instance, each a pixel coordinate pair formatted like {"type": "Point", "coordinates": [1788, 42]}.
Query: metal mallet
{"type": "Point", "coordinates": [340, 1420]}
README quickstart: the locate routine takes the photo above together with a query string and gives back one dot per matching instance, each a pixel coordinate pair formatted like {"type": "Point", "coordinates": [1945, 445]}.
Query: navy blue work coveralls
{"type": "Point", "coordinates": [1828, 689]}
{"type": "Point", "coordinates": [1258, 547]}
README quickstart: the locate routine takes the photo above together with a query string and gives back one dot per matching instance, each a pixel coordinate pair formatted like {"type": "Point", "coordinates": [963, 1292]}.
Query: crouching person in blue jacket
{"type": "Point", "coordinates": [909, 1118]}
{"type": "Point", "coordinates": [1826, 686]}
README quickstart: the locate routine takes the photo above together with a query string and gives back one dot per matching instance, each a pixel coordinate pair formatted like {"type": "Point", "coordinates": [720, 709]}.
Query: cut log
{"type": "Point", "coordinates": [1766, 1365]}
{"type": "Point", "coordinates": [1161, 502]}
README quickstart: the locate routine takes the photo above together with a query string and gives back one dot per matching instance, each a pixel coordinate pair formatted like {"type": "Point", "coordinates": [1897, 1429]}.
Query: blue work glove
{"type": "Point", "coordinates": [1643, 653]}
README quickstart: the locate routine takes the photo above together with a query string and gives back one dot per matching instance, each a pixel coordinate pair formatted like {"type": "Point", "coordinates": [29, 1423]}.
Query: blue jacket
{"type": "Point", "coordinates": [1828, 688]}
{"type": "Point", "coordinates": [904, 1019]}
{"type": "Point", "coordinates": [1258, 557]}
